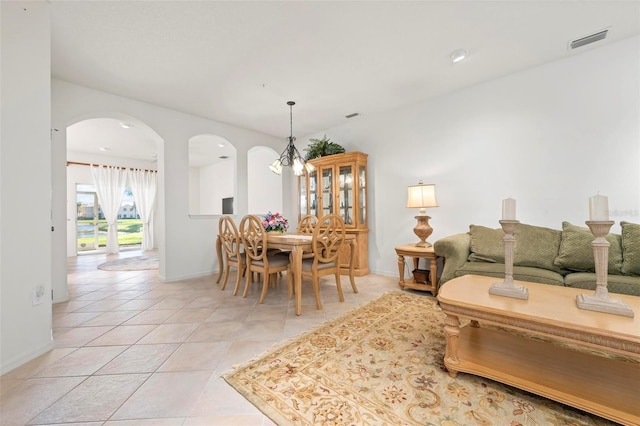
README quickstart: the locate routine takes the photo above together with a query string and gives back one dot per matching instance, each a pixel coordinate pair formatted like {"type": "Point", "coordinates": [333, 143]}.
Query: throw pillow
{"type": "Point", "coordinates": [630, 248]}
{"type": "Point", "coordinates": [486, 244]}
{"type": "Point", "coordinates": [576, 253]}
{"type": "Point", "coordinates": [537, 246]}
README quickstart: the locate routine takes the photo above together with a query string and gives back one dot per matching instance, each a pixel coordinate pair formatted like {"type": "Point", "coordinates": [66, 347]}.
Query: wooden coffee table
{"type": "Point", "coordinates": [604, 384]}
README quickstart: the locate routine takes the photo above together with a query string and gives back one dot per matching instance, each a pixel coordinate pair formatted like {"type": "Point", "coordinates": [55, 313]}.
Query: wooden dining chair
{"type": "Point", "coordinates": [254, 238]}
{"type": "Point", "coordinates": [233, 252]}
{"type": "Point", "coordinates": [327, 242]}
{"type": "Point", "coordinates": [306, 226]}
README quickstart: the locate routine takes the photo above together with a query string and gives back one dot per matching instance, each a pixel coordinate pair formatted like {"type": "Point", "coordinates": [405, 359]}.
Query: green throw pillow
{"type": "Point", "coordinates": [576, 252]}
{"type": "Point", "coordinates": [486, 244]}
{"type": "Point", "coordinates": [630, 248]}
{"type": "Point", "coordinates": [537, 247]}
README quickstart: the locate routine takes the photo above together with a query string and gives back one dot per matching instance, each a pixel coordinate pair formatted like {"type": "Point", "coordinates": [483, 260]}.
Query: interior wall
{"type": "Point", "coordinates": [186, 244]}
{"type": "Point", "coordinates": [216, 183]}
{"type": "Point", "coordinates": [194, 190]}
{"type": "Point", "coordinates": [25, 182]}
{"type": "Point", "coordinates": [550, 137]}
{"type": "Point", "coordinates": [265, 187]}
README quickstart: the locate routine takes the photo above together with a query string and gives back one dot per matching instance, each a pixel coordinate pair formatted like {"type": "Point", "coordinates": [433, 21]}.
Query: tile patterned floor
{"type": "Point", "coordinates": [132, 350]}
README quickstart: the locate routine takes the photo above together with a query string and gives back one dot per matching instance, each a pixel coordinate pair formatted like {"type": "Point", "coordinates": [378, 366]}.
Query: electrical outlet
{"type": "Point", "coordinates": [37, 295]}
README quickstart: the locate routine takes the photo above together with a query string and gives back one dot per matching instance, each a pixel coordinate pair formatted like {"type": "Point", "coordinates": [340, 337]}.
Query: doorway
{"type": "Point", "coordinates": [91, 226]}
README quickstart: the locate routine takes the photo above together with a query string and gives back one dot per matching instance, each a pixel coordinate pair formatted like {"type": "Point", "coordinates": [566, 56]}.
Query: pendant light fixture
{"type": "Point", "coordinates": [291, 157]}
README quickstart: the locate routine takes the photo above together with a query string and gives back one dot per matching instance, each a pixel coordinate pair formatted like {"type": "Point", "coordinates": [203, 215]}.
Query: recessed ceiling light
{"type": "Point", "coordinates": [126, 125]}
{"type": "Point", "coordinates": [104, 149]}
{"type": "Point", "coordinates": [221, 145]}
{"type": "Point", "coordinates": [458, 55]}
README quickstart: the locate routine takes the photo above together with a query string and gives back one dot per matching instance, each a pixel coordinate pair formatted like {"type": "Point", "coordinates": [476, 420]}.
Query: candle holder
{"type": "Point", "coordinates": [601, 301]}
{"type": "Point", "coordinates": [507, 287]}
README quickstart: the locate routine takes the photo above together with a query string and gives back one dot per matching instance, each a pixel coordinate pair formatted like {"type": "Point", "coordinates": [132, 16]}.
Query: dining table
{"type": "Point", "coordinates": [297, 244]}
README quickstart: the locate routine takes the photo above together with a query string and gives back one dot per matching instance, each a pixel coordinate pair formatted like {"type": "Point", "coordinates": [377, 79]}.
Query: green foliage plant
{"type": "Point", "coordinates": [321, 148]}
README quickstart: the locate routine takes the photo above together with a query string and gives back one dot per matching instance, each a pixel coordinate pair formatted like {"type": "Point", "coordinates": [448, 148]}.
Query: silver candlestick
{"type": "Point", "coordinates": [600, 301]}
{"type": "Point", "coordinates": [507, 287]}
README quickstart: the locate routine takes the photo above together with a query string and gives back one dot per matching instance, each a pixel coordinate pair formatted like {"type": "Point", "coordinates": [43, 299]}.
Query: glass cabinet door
{"type": "Point", "coordinates": [327, 192]}
{"type": "Point", "coordinates": [313, 193]}
{"type": "Point", "coordinates": [303, 196]}
{"type": "Point", "coordinates": [362, 194]}
{"type": "Point", "coordinates": [346, 193]}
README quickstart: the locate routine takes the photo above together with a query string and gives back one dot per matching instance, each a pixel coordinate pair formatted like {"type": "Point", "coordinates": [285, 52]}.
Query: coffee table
{"type": "Point", "coordinates": [600, 383]}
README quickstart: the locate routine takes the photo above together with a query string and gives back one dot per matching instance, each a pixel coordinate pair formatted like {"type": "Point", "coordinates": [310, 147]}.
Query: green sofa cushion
{"type": "Point", "coordinates": [622, 284]}
{"type": "Point", "coordinates": [630, 248]}
{"type": "Point", "coordinates": [523, 273]}
{"type": "Point", "coordinates": [537, 246]}
{"type": "Point", "coordinates": [486, 244]}
{"type": "Point", "coordinates": [576, 253]}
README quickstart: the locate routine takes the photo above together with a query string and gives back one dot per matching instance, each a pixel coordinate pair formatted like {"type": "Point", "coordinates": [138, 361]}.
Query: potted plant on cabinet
{"type": "Point", "coordinates": [322, 147]}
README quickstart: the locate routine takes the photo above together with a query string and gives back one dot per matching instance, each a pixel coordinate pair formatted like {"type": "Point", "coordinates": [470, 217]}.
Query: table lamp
{"type": "Point", "coordinates": [422, 196]}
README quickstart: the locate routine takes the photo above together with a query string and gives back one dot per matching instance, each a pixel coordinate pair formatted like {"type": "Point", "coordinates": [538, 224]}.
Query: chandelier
{"type": "Point", "coordinates": [291, 157]}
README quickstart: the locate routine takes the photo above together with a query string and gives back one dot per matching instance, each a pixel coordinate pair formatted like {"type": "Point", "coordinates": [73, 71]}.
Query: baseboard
{"type": "Point", "coordinates": [16, 362]}
{"type": "Point", "coordinates": [165, 279]}
{"type": "Point", "coordinates": [64, 298]}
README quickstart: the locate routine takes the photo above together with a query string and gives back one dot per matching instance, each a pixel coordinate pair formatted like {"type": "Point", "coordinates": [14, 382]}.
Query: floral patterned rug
{"type": "Point", "coordinates": [381, 364]}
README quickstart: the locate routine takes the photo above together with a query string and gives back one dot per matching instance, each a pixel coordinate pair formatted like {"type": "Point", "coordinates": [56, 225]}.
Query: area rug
{"type": "Point", "coordinates": [382, 364]}
{"type": "Point", "coordinates": [137, 263]}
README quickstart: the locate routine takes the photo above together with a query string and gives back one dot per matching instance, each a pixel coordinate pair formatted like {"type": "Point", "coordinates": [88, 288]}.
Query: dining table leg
{"type": "Point", "coordinates": [219, 254]}
{"type": "Point", "coordinates": [296, 267]}
{"type": "Point", "coordinates": [352, 261]}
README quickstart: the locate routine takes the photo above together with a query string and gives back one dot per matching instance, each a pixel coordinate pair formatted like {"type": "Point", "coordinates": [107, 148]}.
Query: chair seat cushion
{"type": "Point", "coordinates": [307, 265]}
{"type": "Point", "coordinates": [275, 261]}
{"type": "Point", "coordinates": [235, 258]}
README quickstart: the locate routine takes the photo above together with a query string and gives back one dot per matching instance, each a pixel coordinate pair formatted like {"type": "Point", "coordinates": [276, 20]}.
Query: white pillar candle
{"type": "Point", "coordinates": [599, 208]}
{"type": "Point", "coordinates": [509, 209]}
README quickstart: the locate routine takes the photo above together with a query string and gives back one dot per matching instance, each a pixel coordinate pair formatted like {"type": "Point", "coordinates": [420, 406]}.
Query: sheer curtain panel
{"type": "Point", "coordinates": [143, 184]}
{"type": "Point", "coordinates": [110, 185]}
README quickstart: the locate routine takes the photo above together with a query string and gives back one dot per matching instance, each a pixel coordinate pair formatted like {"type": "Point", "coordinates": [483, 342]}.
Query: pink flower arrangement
{"type": "Point", "coordinates": [275, 222]}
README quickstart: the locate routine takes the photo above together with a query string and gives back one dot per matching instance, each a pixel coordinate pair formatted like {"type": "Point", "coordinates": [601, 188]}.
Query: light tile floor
{"type": "Point", "coordinates": [133, 350]}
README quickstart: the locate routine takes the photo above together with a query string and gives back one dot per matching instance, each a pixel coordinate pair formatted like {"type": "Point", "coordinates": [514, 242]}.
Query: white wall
{"type": "Point", "coordinates": [549, 137]}
{"type": "Point", "coordinates": [194, 190]}
{"type": "Point", "coordinates": [186, 244]}
{"type": "Point", "coordinates": [265, 187]}
{"type": "Point", "coordinates": [25, 182]}
{"type": "Point", "coordinates": [216, 183]}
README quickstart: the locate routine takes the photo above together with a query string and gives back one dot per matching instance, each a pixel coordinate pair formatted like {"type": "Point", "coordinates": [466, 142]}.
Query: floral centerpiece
{"type": "Point", "coordinates": [275, 222]}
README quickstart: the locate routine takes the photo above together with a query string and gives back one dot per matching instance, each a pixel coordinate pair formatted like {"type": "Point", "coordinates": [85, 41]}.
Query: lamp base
{"type": "Point", "coordinates": [423, 230]}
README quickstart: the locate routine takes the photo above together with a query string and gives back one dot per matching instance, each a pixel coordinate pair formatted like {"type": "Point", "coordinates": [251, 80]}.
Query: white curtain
{"type": "Point", "coordinates": [143, 185]}
{"type": "Point", "coordinates": [110, 185]}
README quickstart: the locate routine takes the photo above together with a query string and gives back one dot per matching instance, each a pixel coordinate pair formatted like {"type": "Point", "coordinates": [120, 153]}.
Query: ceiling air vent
{"type": "Point", "coordinates": [355, 114]}
{"type": "Point", "coordinates": [224, 157]}
{"type": "Point", "coordinates": [588, 39]}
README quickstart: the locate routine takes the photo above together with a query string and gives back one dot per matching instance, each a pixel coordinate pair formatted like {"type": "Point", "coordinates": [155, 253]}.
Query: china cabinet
{"type": "Point", "coordinates": [338, 184]}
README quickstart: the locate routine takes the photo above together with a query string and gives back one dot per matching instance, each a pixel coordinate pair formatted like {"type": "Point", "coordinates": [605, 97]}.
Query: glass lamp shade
{"type": "Point", "coordinates": [276, 167]}
{"type": "Point", "coordinates": [297, 166]}
{"type": "Point", "coordinates": [422, 196]}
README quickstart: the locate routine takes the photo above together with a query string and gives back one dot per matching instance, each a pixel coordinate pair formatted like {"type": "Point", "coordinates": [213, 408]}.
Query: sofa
{"type": "Point", "coordinates": [544, 255]}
